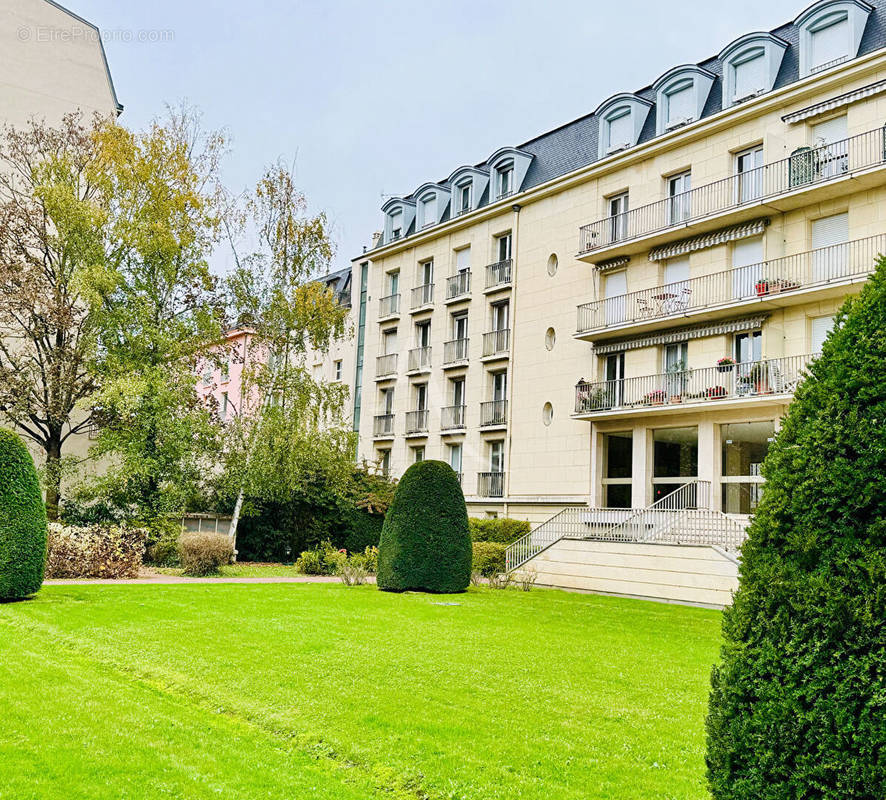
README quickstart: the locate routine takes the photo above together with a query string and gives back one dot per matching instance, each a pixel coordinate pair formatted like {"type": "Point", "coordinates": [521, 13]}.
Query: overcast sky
{"type": "Point", "coordinates": [378, 97]}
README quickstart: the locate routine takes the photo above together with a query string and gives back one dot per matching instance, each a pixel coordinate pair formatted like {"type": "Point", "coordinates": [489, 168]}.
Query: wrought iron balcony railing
{"type": "Point", "coordinates": [490, 484]}
{"type": "Point", "coordinates": [384, 425]}
{"type": "Point", "coordinates": [498, 274]}
{"type": "Point", "coordinates": [419, 358]}
{"type": "Point", "coordinates": [423, 295]}
{"type": "Point", "coordinates": [801, 271]}
{"type": "Point", "coordinates": [455, 350]}
{"type": "Point", "coordinates": [458, 285]}
{"type": "Point", "coordinates": [452, 417]}
{"type": "Point", "coordinates": [386, 365]}
{"type": "Point", "coordinates": [417, 421]}
{"type": "Point", "coordinates": [495, 412]}
{"type": "Point", "coordinates": [389, 306]}
{"type": "Point", "coordinates": [496, 342]}
{"type": "Point", "coordinates": [806, 166]}
{"type": "Point", "coordinates": [774, 376]}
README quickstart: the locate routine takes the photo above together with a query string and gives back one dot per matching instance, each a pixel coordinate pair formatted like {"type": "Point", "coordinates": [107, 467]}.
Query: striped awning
{"type": "Point", "coordinates": [753, 228]}
{"type": "Point", "coordinates": [836, 102]}
{"type": "Point", "coordinates": [612, 263]}
{"type": "Point", "coordinates": [683, 334]}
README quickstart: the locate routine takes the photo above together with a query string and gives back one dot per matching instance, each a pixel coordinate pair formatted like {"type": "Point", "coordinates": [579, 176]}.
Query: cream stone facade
{"type": "Point", "coordinates": [690, 222]}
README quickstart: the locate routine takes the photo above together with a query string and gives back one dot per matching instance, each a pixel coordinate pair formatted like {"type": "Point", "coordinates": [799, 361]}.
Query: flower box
{"type": "Point", "coordinates": [654, 398]}
{"type": "Point", "coordinates": [715, 392]}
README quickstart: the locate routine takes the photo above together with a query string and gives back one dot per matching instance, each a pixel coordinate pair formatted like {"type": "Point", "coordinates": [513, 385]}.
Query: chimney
{"type": "Point", "coordinates": [376, 238]}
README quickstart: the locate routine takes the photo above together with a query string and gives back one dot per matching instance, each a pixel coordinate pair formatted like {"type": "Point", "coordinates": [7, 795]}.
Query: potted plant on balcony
{"type": "Point", "coordinates": [759, 376]}
{"type": "Point", "coordinates": [654, 398]}
{"type": "Point", "coordinates": [725, 364]}
{"type": "Point", "coordinates": [715, 392]}
{"type": "Point", "coordinates": [762, 287]}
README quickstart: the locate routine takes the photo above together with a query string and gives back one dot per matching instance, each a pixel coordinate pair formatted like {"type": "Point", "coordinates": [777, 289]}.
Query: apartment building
{"type": "Point", "coordinates": [624, 305]}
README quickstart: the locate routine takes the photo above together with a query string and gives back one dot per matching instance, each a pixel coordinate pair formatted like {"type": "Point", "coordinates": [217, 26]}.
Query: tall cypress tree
{"type": "Point", "coordinates": [798, 704]}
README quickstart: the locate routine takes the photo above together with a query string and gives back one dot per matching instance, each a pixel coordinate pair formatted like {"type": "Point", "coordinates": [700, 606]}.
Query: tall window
{"type": "Point", "coordinates": [499, 386]}
{"type": "Point", "coordinates": [460, 326]}
{"type": "Point", "coordinates": [681, 105]}
{"type": "Point", "coordinates": [820, 327]}
{"type": "Point", "coordinates": [744, 446]}
{"type": "Point", "coordinates": [389, 341]}
{"type": "Point", "coordinates": [463, 197]}
{"type": "Point", "coordinates": [747, 268]}
{"type": "Point", "coordinates": [418, 454]}
{"type": "Point", "coordinates": [496, 457]}
{"type": "Point", "coordinates": [393, 283]}
{"type": "Point", "coordinates": [748, 346]}
{"type": "Point", "coordinates": [621, 131]}
{"type": "Point", "coordinates": [750, 75]}
{"type": "Point", "coordinates": [500, 314]}
{"type": "Point", "coordinates": [387, 400]}
{"type": "Point", "coordinates": [503, 247]}
{"type": "Point", "coordinates": [463, 259]}
{"type": "Point", "coordinates": [674, 460]}
{"type": "Point", "coordinates": [421, 397]}
{"type": "Point", "coordinates": [384, 461]}
{"type": "Point", "coordinates": [429, 210]}
{"type": "Point", "coordinates": [618, 215]}
{"type": "Point", "coordinates": [679, 197]}
{"type": "Point", "coordinates": [338, 370]}
{"type": "Point", "coordinates": [830, 237]}
{"type": "Point", "coordinates": [426, 272]}
{"type": "Point", "coordinates": [396, 224]}
{"type": "Point", "coordinates": [615, 287]}
{"type": "Point", "coordinates": [224, 406]}
{"type": "Point", "coordinates": [749, 174]}
{"type": "Point", "coordinates": [617, 469]}
{"type": "Point", "coordinates": [458, 392]}
{"type": "Point", "coordinates": [831, 148]}
{"type": "Point", "coordinates": [829, 44]}
{"type": "Point", "coordinates": [505, 180]}
{"type": "Point", "coordinates": [455, 458]}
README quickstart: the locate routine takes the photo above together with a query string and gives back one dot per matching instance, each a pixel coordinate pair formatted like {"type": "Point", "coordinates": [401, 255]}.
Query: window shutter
{"type": "Point", "coordinates": [677, 270]}
{"type": "Point", "coordinates": [463, 259]}
{"type": "Point", "coordinates": [750, 77]}
{"type": "Point", "coordinates": [620, 131]}
{"type": "Point", "coordinates": [680, 105]}
{"type": "Point", "coordinates": [821, 327]}
{"type": "Point", "coordinates": [830, 43]}
{"type": "Point", "coordinates": [616, 284]}
{"type": "Point", "coordinates": [829, 231]}
{"type": "Point", "coordinates": [834, 130]}
{"type": "Point", "coordinates": [747, 257]}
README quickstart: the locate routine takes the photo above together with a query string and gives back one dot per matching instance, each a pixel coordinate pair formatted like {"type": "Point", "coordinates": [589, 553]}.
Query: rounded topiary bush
{"type": "Point", "coordinates": [22, 521]}
{"type": "Point", "coordinates": [798, 704]}
{"type": "Point", "coordinates": [425, 543]}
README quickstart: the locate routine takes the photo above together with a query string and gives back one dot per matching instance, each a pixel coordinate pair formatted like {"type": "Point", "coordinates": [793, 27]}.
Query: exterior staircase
{"type": "Point", "coordinates": [681, 517]}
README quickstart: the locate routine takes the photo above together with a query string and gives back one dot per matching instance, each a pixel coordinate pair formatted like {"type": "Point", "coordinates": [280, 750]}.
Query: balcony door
{"type": "Point", "coordinates": [676, 362]}
{"type": "Point", "coordinates": [500, 316]}
{"type": "Point", "coordinates": [458, 392]}
{"type": "Point", "coordinates": [679, 206]}
{"type": "Point", "coordinates": [500, 386]}
{"type": "Point", "coordinates": [387, 401]}
{"type": "Point", "coordinates": [423, 334]}
{"type": "Point", "coordinates": [421, 397]}
{"type": "Point", "coordinates": [614, 374]}
{"type": "Point", "coordinates": [749, 350]}
{"type": "Point", "coordinates": [829, 139]}
{"type": "Point", "coordinates": [749, 174]}
{"type": "Point", "coordinates": [618, 217]}
{"type": "Point", "coordinates": [503, 247]}
{"type": "Point", "coordinates": [455, 458]}
{"type": "Point", "coordinates": [747, 268]}
{"type": "Point", "coordinates": [460, 326]}
{"type": "Point", "coordinates": [497, 457]}
{"type": "Point", "coordinates": [615, 287]}
{"type": "Point", "coordinates": [830, 237]}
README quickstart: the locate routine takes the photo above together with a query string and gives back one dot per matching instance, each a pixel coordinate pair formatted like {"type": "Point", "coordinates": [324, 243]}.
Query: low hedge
{"type": "Point", "coordinates": [94, 551]}
{"type": "Point", "coordinates": [204, 553]}
{"type": "Point", "coordinates": [498, 529]}
{"type": "Point", "coordinates": [488, 558]}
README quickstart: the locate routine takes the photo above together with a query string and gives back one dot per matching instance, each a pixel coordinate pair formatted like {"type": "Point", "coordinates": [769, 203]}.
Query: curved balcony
{"type": "Point", "coordinates": [805, 169]}
{"type": "Point", "coordinates": [774, 378]}
{"type": "Point", "coordinates": [769, 284]}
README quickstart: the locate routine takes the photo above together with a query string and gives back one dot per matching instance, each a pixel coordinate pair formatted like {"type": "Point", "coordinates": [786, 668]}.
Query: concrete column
{"type": "Point", "coordinates": [641, 493]}
{"type": "Point", "coordinates": [597, 443]}
{"type": "Point", "coordinates": [708, 458]}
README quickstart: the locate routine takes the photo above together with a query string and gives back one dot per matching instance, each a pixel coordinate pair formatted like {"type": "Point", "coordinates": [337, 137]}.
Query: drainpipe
{"type": "Point", "coordinates": [512, 361]}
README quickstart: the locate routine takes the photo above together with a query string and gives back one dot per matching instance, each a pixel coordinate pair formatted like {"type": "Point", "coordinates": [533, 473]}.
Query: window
{"type": "Point", "coordinates": [460, 326]}
{"type": "Point", "coordinates": [428, 210]}
{"type": "Point", "coordinates": [226, 370]}
{"type": "Point", "coordinates": [750, 66]}
{"type": "Point", "coordinates": [224, 406]}
{"type": "Point", "coordinates": [496, 456]}
{"type": "Point", "coordinates": [676, 277]}
{"type": "Point", "coordinates": [820, 328]}
{"type": "Point", "coordinates": [463, 198]}
{"type": "Point", "coordinates": [618, 469]}
{"type": "Point", "coordinates": [458, 392]}
{"type": "Point", "coordinates": [674, 459]}
{"type": "Point", "coordinates": [830, 237]}
{"type": "Point", "coordinates": [421, 397]}
{"type": "Point", "coordinates": [831, 155]}
{"type": "Point", "coordinates": [618, 215]}
{"type": "Point", "coordinates": [615, 287]}
{"type": "Point", "coordinates": [504, 179]}
{"type": "Point", "coordinates": [503, 247]}
{"type": "Point", "coordinates": [423, 334]}
{"type": "Point", "coordinates": [621, 121]}
{"type": "Point", "coordinates": [396, 224]}
{"type": "Point", "coordinates": [547, 414]}
{"type": "Point", "coordinates": [748, 346]}
{"type": "Point", "coordinates": [752, 377]}
{"type": "Point", "coordinates": [338, 369]}
{"type": "Point", "coordinates": [499, 386]}
{"type": "Point", "coordinates": [384, 461]}
{"type": "Point", "coordinates": [454, 457]}
{"type": "Point", "coordinates": [463, 260]}
{"type": "Point", "coordinates": [389, 341]}
{"type": "Point", "coordinates": [207, 375]}
{"type": "Point", "coordinates": [500, 314]}
{"type": "Point", "coordinates": [679, 198]}
{"type": "Point", "coordinates": [749, 174]}
{"type": "Point", "coordinates": [830, 32]}
{"type": "Point", "coordinates": [318, 372]}
{"type": "Point", "coordinates": [676, 366]}
{"type": "Point", "coordinates": [387, 400]}
{"type": "Point", "coordinates": [744, 446]}
{"type": "Point", "coordinates": [681, 94]}
{"type": "Point", "coordinates": [393, 283]}
{"type": "Point", "coordinates": [426, 272]}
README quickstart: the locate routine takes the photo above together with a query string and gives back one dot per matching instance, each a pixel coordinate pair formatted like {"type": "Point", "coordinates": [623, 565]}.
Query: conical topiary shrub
{"type": "Point", "coordinates": [425, 544]}
{"type": "Point", "coordinates": [22, 521]}
{"type": "Point", "coordinates": [798, 704]}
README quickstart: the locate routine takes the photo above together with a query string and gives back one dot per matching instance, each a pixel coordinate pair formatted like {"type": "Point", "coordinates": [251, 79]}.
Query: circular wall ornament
{"type": "Point", "coordinates": [553, 263]}
{"type": "Point", "coordinates": [550, 338]}
{"type": "Point", "coordinates": [547, 414]}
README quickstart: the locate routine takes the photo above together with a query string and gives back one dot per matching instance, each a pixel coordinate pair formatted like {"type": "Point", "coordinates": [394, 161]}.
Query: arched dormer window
{"type": "Point", "coordinates": [399, 215]}
{"type": "Point", "coordinates": [750, 66]}
{"type": "Point", "coordinates": [507, 170]}
{"type": "Point", "coordinates": [431, 200]}
{"type": "Point", "coordinates": [621, 121]}
{"type": "Point", "coordinates": [681, 94]}
{"type": "Point", "coordinates": [830, 33]}
{"type": "Point", "coordinates": [467, 185]}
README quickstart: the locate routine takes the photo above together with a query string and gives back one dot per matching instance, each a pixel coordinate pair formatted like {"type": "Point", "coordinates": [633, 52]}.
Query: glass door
{"type": "Point", "coordinates": [676, 364]}
{"type": "Point", "coordinates": [614, 377]}
{"type": "Point", "coordinates": [749, 174]}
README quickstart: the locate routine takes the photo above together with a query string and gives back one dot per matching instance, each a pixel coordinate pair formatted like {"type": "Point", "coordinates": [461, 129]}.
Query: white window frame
{"type": "Point", "coordinates": [616, 108]}
{"type": "Point", "coordinates": [693, 78]}
{"type": "Point", "coordinates": [823, 15]}
{"type": "Point", "coordinates": [743, 50]}
{"type": "Point", "coordinates": [504, 173]}
{"type": "Point", "coordinates": [428, 210]}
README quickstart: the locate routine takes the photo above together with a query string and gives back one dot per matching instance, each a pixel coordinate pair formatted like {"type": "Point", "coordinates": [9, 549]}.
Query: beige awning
{"type": "Point", "coordinates": [753, 228]}
{"type": "Point", "coordinates": [836, 102]}
{"type": "Point", "coordinates": [683, 334]}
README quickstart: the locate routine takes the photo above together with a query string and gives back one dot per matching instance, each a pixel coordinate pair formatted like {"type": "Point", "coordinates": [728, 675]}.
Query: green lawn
{"type": "Point", "coordinates": [318, 690]}
{"type": "Point", "coordinates": [244, 569]}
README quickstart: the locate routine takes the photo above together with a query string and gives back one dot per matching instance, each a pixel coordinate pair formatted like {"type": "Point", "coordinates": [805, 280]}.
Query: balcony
{"type": "Point", "coordinates": [422, 296]}
{"type": "Point", "coordinates": [419, 360]}
{"type": "Point", "coordinates": [417, 422]}
{"type": "Point", "coordinates": [455, 352]}
{"type": "Point", "coordinates": [389, 306]}
{"type": "Point", "coordinates": [452, 418]}
{"type": "Point", "coordinates": [496, 344]}
{"type": "Point", "coordinates": [770, 284]}
{"type": "Point", "coordinates": [384, 426]}
{"type": "Point", "coordinates": [386, 366]}
{"type": "Point", "coordinates": [498, 275]}
{"type": "Point", "coordinates": [494, 414]}
{"type": "Point", "coordinates": [721, 386]}
{"type": "Point", "coordinates": [783, 185]}
{"type": "Point", "coordinates": [458, 286]}
{"type": "Point", "coordinates": [490, 484]}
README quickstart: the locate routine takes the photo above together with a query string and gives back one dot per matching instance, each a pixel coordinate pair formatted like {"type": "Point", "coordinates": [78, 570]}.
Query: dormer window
{"type": "Point", "coordinates": [428, 210]}
{"type": "Point", "coordinates": [463, 198]}
{"type": "Point", "coordinates": [396, 224]}
{"type": "Point", "coordinates": [399, 214]}
{"type": "Point", "coordinates": [504, 179]}
{"type": "Point", "coordinates": [621, 121]}
{"type": "Point", "coordinates": [681, 94]}
{"type": "Point", "coordinates": [468, 185]}
{"type": "Point", "coordinates": [830, 33]}
{"type": "Point", "coordinates": [750, 66]}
